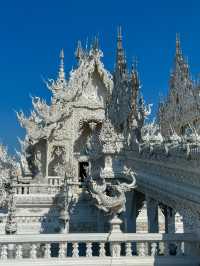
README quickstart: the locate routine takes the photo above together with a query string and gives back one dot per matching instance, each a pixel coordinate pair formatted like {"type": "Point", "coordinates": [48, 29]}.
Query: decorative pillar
{"type": "Point", "coordinates": [130, 214]}
{"type": "Point", "coordinates": [170, 220]}
{"type": "Point", "coordinates": [170, 227]}
{"type": "Point", "coordinates": [152, 215]}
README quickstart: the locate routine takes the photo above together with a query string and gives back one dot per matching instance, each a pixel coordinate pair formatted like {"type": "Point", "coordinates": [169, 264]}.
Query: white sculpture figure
{"type": "Point", "coordinates": [38, 163]}
{"type": "Point", "coordinates": [24, 165]}
{"type": "Point", "coordinates": [109, 198]}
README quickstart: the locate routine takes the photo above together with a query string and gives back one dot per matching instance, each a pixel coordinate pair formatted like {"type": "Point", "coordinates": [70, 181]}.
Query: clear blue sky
{"type": "Point", "coordinates": [33, 32]}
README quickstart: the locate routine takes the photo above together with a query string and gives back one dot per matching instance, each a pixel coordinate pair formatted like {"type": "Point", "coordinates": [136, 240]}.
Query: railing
{"type": "Point", "coordinates": [25, 189]}
{"type": "Point", "coordinates": [55, 180]}
{"type": "Point", "coordinates": [96, 245]}
{"type": "Point", "coordinates": [52, 187]}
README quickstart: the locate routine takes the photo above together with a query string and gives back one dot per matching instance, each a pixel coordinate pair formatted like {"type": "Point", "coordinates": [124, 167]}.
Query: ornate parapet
{"type": "Point", "coordinates": [172, 148]}
{"type": "Point", "coordinates": [115, 247]}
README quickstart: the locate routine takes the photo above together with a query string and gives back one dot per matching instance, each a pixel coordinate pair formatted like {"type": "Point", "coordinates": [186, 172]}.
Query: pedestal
{"type": "Point", "coordinates": [115, 236]}
{"type": "Point", "coordinates": [115, 224]}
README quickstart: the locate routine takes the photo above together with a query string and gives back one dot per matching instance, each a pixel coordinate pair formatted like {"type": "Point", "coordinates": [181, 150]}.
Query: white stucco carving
{"type": "Point", "coordinates": [89, 146]}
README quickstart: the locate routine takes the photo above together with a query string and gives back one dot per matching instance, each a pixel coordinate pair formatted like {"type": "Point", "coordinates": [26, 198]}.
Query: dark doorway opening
{"type": "Point", "coordinates": [83, 166]}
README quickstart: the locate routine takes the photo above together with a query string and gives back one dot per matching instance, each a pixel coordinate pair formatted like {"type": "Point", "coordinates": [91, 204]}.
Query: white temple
{"type": "Point", "coordinates": [94, 183]}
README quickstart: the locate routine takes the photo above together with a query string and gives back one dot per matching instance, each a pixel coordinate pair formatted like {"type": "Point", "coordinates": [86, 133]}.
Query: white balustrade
{"type": "Point", "coordinates": [70, 245]}
{"type": "Point", "coordinates": [27, 189]}
{"type": "Point", "coordinates": [52, 186]}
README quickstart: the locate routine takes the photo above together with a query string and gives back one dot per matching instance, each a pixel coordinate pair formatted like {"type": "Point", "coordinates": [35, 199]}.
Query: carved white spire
{"type": "Point", "coordinates": [61, 73]}
{"type": "Point", "coordinates": [95, 45]}
{"type": "Point", "coordinates": [181, 68]}
{"type": "Point", "coordinates": [120, 56]}
{"type": "Point", "coordinates": [79, 51]}
{"type": "Point", "coordinates": [178, 45]}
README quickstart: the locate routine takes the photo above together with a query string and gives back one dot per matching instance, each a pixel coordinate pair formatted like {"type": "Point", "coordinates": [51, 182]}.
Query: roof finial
{"type": "Point", "coordinates": [79, 51]}
{"type": "Point", "coordinates": [178, 45]}
{"type": "Point", "coordinates": [134, 64]}
{"type": "Point", "coordinates": [96, 43]}
{"type": "Point", "coordinates": [119, 33]}
{"type": "Point", "coordinates": [61, 73]}
{"type": "Point", "coordinates": [120, 57]}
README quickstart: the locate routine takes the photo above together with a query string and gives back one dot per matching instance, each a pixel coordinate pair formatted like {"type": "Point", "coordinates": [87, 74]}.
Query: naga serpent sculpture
{"type": "Point", "coordinates": [109, 197]}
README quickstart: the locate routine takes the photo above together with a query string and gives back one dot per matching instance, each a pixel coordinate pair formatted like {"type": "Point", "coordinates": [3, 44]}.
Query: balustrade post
{"type": "Point", "coordinates": [47, 251]}
{"type": "Point", "coordinates": [102, 252]}
{"type": "Point", "coordinates": [154, 250]}
{"type": "Point", "coordinates": [115, 249]}
{"type": "Point", "coordinates": [179, 248]}
{"type": "Point", "coordinates": [142, 249]}
{"type": "Point", "coordinates": [33, 252]}
{"type": "Point", "coordinates": [88, 249]}
{"type": "Point", "coordinates": [166, 249]}
{"type": "Point", "coordinates": [128, 249]}
{"type": "Point", "coordinates": [75, 251]}
{"type": "Point", "coordinates": [19, 252]}
{"type": "Point", "coordinates": [62, 250]}
{"type": "Point", "coordinates": [4, 253]}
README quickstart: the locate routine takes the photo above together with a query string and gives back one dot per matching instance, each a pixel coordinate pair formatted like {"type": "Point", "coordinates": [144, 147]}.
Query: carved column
{"type": "Point", "coordinates": [152, 215]}
{"type": "Point", "coordinates": [170, 227]}
{"type": "Point", "coordinates": [130, 214]}
{"type": "Point", "coordinates": [170, 220]}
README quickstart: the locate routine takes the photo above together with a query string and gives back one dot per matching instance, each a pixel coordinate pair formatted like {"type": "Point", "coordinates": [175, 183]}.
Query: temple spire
{"type": "Point", "coordinates": [120, 56]}
{"type": "Point", "coordinates": [135, 84]}
{"type": "Point", "coordinates": [61, 73]}
{"type": "Point", "coordinates": [79, 51]}
{"type": "Point", "coordinates": [178, 45]}
{"type": "Point", "coordinates": [96, 43]}
{"type": "Point", "coordinates": [180, 62]}
{"type": "Point", "coordinates": [134, 65]}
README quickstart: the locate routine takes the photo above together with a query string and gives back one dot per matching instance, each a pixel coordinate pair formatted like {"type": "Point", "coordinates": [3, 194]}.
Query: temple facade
{"type": "Point", "coordinates": [94, 183]}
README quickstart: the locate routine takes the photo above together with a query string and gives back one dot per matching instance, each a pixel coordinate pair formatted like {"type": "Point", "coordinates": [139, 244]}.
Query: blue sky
{"type": "Point", "coordinates": [33, 32]}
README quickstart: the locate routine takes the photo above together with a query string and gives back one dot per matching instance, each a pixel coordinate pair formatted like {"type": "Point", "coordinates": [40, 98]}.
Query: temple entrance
{"type": "Point", "coordinates": [82, 170]}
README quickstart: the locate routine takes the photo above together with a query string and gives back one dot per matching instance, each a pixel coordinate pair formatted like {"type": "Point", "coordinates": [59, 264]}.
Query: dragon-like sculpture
{"type": "Point", "coordinates": [110, 197]}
